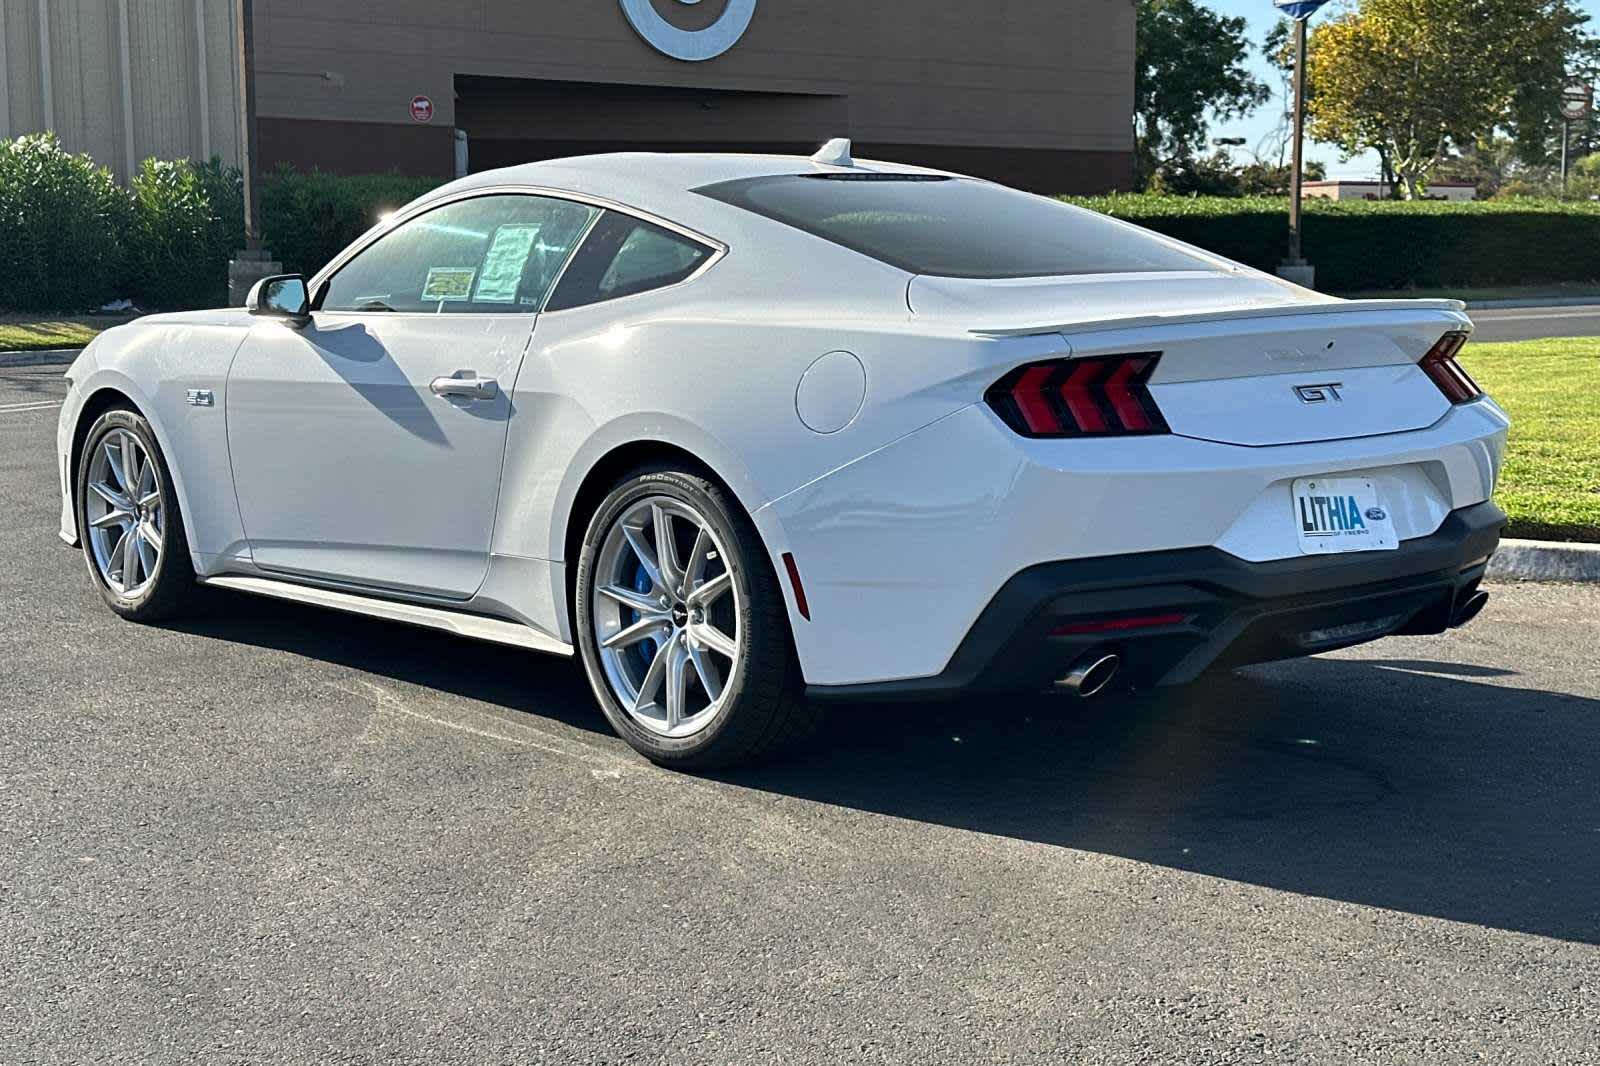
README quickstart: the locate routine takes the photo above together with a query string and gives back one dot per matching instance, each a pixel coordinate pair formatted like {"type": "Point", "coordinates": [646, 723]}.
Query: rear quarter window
{"type": "Point", "coordinates": [623, 256]}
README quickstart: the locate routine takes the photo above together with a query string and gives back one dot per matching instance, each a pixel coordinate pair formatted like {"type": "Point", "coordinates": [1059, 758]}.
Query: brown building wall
{"type": "Point", "coordinates": [1039, 94]}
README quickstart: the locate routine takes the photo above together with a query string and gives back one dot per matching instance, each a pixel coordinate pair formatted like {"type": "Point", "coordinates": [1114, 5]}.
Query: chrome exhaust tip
{"type": "Point", "coordinates": [1090, 674]}
{"type": "Point", "coordinates": [1470, 609]}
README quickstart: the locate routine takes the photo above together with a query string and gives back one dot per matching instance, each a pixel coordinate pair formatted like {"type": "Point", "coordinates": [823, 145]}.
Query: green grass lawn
{"type": "Point", "coordinates": [18, 334]}
{"type": "Point", "coordinates": [1551, 389]}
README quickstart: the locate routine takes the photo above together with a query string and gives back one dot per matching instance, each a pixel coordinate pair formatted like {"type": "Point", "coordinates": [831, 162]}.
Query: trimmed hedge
{"type": "Point", "coordinates": [72, 239]}
{"type": "Point", "coordinates": [187, 219]}
{"type": "Point", "coordinates": [64, 225]}
{"type": "Point", "coordinates": [307, 219]}
{"type": "Point", "coordinates": [1386, 244]}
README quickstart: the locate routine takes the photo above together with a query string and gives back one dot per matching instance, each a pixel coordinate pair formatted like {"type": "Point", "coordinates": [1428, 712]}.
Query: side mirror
{"type": "Point", "coordinates": [284, 296]}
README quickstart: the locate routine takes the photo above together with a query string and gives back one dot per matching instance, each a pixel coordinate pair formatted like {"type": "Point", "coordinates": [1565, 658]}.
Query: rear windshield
{"type": "Point", "coordinates": [953, 227]}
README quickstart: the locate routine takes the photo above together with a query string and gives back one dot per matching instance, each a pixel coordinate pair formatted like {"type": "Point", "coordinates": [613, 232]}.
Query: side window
{"type": "Point", "coordinates": [624, 255]}
{"type": "Point", "coordinates": [488, 255]}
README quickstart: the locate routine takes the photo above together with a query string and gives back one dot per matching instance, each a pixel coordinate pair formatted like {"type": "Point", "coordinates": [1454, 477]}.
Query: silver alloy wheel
{"type": "Point", "coordinates": [122, 504]}
{"type": "Point", "coordinates": [665, 613]}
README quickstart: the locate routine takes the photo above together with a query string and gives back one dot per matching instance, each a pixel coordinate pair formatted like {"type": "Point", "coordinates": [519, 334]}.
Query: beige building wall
{"type": "Point", "coordinates": [122, 80]}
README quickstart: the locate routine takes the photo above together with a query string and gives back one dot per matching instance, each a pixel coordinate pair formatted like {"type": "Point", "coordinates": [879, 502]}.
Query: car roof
{"type": "Point", "coordinates": [661, 183]}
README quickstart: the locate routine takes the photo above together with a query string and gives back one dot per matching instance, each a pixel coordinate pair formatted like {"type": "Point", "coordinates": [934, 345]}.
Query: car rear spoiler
{"type": "Point", "coordinates": [1455, 307]}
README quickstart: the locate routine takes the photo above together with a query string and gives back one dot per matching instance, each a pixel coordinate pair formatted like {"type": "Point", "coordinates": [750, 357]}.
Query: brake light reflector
{"type": "Point", "coordinates": [1441, 367]}
{"type": "Point", "coordinates": [799, 590]}
{"type": "Point", "coordinates": [1119, 625]}
{"type": "Point", "coordinates": [1102, 396]}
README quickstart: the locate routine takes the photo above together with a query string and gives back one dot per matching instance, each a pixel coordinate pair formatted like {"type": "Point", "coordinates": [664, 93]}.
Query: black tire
{"type": "Point", "coordinates": [766, 712]}
{"type": "Point", "coordinates": [171, 590]}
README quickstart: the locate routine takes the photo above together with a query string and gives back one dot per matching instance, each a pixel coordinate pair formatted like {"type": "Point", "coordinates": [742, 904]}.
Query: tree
{"type": "Point", "coordinates": [1489, 164]}
{"type": "Point", "coordinates": [1190, 68]}
{"type": "Point", "coordinates": [1218, 175]}
{"type": "Point", "coordinates": [1414, 78]}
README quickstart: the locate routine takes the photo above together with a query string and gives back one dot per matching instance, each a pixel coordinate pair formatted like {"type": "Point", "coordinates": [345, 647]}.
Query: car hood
{"type": "Point", "coordinates": [218, 316]}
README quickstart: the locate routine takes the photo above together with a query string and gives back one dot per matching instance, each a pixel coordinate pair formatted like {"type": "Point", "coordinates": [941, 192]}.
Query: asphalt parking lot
{"type": "Point", "coordinates": [276, 835]}
{"type": "Point", "coordinates": [1534, 323]}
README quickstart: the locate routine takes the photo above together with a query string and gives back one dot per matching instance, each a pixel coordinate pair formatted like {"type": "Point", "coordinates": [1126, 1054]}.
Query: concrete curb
{"type": "Point", "coordinates": [50, 357]}
{"type": "Point", "coordinates": [1542, 560]}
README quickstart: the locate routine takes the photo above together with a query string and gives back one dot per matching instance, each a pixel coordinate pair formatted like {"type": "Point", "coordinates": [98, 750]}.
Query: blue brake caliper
{"type": "Point", "coordinates": [644, 651]}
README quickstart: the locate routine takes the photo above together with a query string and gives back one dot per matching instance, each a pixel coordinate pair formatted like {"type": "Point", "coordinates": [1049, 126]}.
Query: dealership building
{"type": "Point", "coordinates": [1034, 94]}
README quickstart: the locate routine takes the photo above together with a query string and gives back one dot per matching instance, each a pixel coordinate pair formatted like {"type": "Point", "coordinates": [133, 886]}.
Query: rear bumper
{"type": "Point", "coordinates": [902, 550]}
{"type": "Point", "coordinates": [1235, 612]}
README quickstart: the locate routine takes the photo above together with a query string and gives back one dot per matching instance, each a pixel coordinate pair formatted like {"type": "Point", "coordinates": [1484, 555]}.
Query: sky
{"type": "Point", "coordinates": [1257, 127]}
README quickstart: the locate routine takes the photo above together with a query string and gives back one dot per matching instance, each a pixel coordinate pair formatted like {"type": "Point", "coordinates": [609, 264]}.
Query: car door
{"type": "Point", "coordinates": [366, 445]}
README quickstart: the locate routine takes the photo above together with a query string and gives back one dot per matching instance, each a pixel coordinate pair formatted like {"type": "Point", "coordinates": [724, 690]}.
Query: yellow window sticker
{"type": "Point", "coordinates": [448, 283]}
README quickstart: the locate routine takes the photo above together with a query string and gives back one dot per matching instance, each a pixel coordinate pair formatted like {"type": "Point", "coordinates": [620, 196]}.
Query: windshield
{"type": "Point", "coordinates": [954, 227]}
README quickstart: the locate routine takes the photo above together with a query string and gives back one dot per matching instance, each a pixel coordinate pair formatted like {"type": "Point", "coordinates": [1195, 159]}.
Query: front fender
{"type": "Point", "coordinates": [154, 367]}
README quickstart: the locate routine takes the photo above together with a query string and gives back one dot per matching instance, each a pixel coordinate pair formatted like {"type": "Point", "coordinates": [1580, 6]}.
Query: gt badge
{"type": "Point", "coordinates": [1325, 393]}
{"type": "Point", "coordinates": [202, 398]}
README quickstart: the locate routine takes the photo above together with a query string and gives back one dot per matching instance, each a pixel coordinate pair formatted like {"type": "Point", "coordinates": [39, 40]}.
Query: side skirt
{"type": "Point", "coordinates": [477, 627]}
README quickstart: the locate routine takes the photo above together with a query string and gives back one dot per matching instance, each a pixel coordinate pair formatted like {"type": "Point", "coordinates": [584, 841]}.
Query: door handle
{"type": "Point", "coordinates": [467, 385]}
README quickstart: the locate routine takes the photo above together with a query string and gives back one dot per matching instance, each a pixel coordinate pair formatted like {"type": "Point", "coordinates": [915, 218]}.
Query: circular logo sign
{"type": "Point", "coordinates": [421, 109]}
{"type": "Point", "coordinates": [1576, 100]}
{"type": "Point", "coordinates": [690, 45]}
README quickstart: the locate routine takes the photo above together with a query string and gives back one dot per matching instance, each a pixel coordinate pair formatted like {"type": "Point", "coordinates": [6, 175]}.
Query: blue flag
{"type": "Point", "coordinates": [1298, 9]}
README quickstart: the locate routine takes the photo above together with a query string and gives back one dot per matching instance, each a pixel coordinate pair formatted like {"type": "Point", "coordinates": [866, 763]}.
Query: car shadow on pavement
{"type": "Point", "coordinates": [1432, 788]}
{"type": "Point", "coordinates": [1387, 784]}
{"type": "Point", "coordinates": [508, 677]}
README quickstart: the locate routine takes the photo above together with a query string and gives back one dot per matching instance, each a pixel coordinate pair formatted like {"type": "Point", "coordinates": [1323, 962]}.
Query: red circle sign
{"type": "Point", "coordinates": [421, 109]}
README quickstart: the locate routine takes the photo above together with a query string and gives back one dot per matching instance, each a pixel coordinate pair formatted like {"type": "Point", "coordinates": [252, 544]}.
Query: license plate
{"type": "Point", "coordinates": [1341, 514]}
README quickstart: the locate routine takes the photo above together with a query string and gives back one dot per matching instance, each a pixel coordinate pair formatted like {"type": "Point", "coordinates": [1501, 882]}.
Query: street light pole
{"type": "Point", "coordinates": [1295, 268]}
{"type": "Point", "coordinates": [1296, 178]}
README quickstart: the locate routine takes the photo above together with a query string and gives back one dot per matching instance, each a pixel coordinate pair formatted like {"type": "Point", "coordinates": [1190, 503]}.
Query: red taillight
{"type": "Point", "coordinates": [1440, 365]}
{"type": "Point", "coordinates": [1099, 397]}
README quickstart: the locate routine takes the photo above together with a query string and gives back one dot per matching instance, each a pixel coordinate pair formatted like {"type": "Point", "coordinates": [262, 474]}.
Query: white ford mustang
{"type": "Point", "coordinates": [747, 433]}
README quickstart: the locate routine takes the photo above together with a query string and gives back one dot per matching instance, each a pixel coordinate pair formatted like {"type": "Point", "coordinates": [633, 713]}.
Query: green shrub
{"type": "Point", "coordinates": [307, 219]}
{"type": "Point", "coordinates": [188, 220]}
{"type": "Point", "coordinates": [72, 239]}
{"type": "Point", "coordinates": [63, 226]}
{"type": "Point", "coordinates": [1386, 244]}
